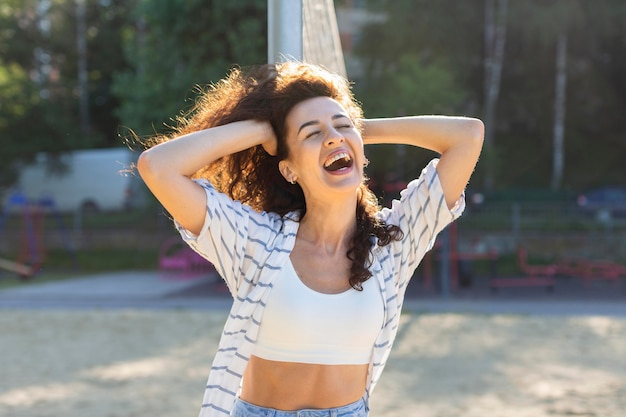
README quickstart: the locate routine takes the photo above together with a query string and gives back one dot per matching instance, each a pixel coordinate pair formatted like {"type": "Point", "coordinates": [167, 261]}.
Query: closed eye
{"type": "Point", "coordinates": [310, 135]}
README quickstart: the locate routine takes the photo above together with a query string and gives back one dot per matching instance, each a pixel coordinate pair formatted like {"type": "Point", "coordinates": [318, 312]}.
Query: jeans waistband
{"type": "Point", "coordinates": [244, 409]}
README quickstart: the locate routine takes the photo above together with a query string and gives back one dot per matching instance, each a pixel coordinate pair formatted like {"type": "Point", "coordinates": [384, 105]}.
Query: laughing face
{"type": "Point", "coordinates": [325, 148]}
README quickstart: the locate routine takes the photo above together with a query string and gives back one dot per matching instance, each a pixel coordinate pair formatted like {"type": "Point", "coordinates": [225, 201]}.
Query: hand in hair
{"type": "Point", "coordinates": [271, 145]}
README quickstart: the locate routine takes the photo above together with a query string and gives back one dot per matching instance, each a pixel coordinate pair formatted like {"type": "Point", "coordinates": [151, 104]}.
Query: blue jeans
{"type": "Point", "coordinates": [244, 409]}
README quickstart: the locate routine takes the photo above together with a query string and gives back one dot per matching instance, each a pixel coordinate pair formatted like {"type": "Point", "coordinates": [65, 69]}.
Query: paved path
{"type": "Point", "coordinates": [156, 290]}
{"type": "Point", "coordinates": [132, 289]}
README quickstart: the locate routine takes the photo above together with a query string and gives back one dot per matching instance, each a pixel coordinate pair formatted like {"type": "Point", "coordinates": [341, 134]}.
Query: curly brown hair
{"type": "Point", "coordinates": [268, 93]}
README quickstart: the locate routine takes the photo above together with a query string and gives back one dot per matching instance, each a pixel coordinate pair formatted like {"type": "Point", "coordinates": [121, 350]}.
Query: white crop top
{"type": "Point", "coordinates": [302, 325]}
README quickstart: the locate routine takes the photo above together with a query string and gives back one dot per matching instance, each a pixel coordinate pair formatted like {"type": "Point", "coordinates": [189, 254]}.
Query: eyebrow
{"type": "Point", "coordinates": [315, 122]}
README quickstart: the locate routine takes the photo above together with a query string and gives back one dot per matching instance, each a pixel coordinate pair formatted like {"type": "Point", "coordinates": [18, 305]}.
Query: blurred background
{"type": "Point", "coordinates": [548, 78]}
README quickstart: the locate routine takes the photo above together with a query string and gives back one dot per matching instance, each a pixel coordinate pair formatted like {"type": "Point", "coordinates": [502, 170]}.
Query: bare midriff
{"type": "Point", "coordinates": [294, 386]}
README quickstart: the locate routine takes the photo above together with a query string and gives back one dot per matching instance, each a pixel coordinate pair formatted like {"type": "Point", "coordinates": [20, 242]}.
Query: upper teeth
{"type": "Point", "coordinates": [336, 158]}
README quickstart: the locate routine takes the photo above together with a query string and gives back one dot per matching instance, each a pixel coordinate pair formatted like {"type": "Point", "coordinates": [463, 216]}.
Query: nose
{"type": "Point", "coordinates": [334, 137]}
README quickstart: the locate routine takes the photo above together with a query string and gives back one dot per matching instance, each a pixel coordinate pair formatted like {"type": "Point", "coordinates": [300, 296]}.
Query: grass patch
{"type": "Point", "coordinates": [104, 259]}
{"type": "Point", "coordinates": [60, 265]}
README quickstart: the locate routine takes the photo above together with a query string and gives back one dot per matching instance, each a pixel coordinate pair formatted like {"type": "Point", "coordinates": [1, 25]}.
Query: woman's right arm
{"type": "Point", "coordinates": [167, 167]}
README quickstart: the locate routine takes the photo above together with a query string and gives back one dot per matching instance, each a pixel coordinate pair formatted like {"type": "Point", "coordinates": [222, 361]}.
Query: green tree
{"type": "Point", "coordinates": [34, 114]}
{"type": "Point", "coordinates": [450, 33]}
{"type": "Point", "coordinates": [595, 45]}
{"type": "Point", "coordinates": [179, 44]}
{"type": "Point", "coordinates": [15, 106]}
{"type": "Point", "coordinates": [39, 77]}
{"type": "Point", "coordinates": [407, 70]}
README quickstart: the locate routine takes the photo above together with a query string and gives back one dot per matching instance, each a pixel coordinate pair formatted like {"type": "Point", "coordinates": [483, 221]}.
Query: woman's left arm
{"type": "Point", "coordinates": [458, 140]}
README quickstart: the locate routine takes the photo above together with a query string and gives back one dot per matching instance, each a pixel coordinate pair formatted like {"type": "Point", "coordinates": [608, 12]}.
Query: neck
{"type": "Point", "coordinates": [329, 225]}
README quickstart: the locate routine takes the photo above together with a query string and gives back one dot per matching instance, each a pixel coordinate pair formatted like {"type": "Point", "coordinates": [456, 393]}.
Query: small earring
{"type": "Point", "coordinates": [367, 162]}
{"type": "Point", "coordinates": [292, 181]}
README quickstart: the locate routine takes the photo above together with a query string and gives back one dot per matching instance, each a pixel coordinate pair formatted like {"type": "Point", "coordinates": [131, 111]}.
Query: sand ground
{"type": "Point", "coordinates": [140, 363]}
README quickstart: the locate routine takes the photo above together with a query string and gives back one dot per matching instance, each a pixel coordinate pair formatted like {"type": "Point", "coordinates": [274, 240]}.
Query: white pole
{"type": "Point", "coordinates": [284, 30]}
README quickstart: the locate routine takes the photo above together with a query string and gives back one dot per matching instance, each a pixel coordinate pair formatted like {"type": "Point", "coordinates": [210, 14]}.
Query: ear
{"type": "Point", "coordinates": [285, 170]}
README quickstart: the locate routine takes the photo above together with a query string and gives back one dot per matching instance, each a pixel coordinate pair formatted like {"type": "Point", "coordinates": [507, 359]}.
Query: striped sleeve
{"type": "Point", "coordinates": [421, 213]}
{"type": "Point", "coordinates": [229, 236]}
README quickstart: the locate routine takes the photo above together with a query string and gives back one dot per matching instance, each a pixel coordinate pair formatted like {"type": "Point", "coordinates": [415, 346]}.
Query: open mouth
{"type": "Point", "coordinates": [338, 162]}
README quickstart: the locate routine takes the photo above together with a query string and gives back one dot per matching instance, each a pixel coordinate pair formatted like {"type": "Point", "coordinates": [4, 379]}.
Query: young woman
{"type": "Point", "coordinates": [265, 179]}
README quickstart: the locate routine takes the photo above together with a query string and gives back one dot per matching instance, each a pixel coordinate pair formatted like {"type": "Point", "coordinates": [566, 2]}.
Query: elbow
{"type": "Point", "coordinates": [147, 166]}
{"type": "Point", "coordinates": [477, 131]}
{"type": "Point", "coordinates": [143, 163]}
{"type": "Point", "coordinates": [475, 135]}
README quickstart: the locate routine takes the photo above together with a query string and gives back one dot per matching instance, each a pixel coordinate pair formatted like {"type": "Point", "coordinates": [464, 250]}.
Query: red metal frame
{"type": "Point", "coordinates": [535, 275]}
{"type": "Point", "coordinates": [174, 255]}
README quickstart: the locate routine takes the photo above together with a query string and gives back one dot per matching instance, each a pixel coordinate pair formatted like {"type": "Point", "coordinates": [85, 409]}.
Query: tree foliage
{"type": "Point", "coordinates": [144, 58]}
{"type": "Point", "coordinates": [450, 32]}
{"type": "Point", "coordinates": [178, 44]}
{"type": "Point", "coordinates": [408, 71]}
{"type": "Point", "coordinates": [38, 77]}
{"type": "Point", "coordinates": [592, 108]}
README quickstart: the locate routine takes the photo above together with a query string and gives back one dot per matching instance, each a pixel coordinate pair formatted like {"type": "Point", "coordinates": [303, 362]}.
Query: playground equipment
{"type": "Point", "coordinates": [21, 269]}
{"type": "Point", "coordinates": [453, 262]}
{"type": "Point", "coordinates": [544, 275]}
{"type": "Point", "coordinates": [175, 255]}
{"type": "Point", "coordinates": [534, 275]}
{"type": "Point", "coordinates": [31, 252]}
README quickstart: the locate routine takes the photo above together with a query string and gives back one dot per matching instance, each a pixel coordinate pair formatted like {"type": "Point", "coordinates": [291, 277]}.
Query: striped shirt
{"type": "Point", "coordinates": [249, 248]}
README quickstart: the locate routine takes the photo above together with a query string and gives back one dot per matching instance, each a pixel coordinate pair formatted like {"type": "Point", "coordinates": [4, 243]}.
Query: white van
{"type": "Point", "coordinates": [94, 179]}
